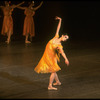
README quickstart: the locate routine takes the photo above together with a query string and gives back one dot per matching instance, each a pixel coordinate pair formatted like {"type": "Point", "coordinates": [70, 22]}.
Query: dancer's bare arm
{"type": "Point", "coordinates": [22, 8]}
{"type": "Point", "coordinates": [14, 6]}
{"type": "Point", "coordinates": [36, 8]}
{"type": "Point", "coordinates": [59, 25]}
{"type": "Point", "coordinates": [61, 51]}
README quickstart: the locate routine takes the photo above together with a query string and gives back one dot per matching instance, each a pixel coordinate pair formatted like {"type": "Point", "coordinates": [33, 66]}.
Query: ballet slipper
{"type": "Point", "coordinates": [27, 42]}
{"type": "Point", "coordinates": [52, 88]}
{"type": "Point", "coordinates": [57, 83]}
{"type": "Point", "coordinates": [7, 42]}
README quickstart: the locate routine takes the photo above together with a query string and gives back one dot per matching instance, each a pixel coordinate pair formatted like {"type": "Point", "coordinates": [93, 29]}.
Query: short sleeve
{"type": "Point", "coordinates": [60, 46]}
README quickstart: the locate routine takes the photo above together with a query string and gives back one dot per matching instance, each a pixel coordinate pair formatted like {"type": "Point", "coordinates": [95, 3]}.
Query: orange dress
{"type": "Point", "coordinates": [48, 62]}
{"type": "Point", "coordinates": [7, 21]}
{"type": "Point", "coordinates": [29, 22]}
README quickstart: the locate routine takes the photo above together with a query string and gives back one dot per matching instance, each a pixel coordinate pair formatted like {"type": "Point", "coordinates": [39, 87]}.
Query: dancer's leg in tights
{"type": "Point", "coordinates": [26, 40]}
{"type": "Point", "coordinates": [8, 37]}
{"type": "Point", "coordinates": [57, 80]}
{"type": "Point", "coordinates": [52, 77]}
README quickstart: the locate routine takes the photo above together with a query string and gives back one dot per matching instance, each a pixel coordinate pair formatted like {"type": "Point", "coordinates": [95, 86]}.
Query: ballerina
{"type": "Point", "coordinates": [7, 27]}
{"type": "Point", "coordinates": [29, 29]}
{"type": "Point", "coordinates": [48, 62]}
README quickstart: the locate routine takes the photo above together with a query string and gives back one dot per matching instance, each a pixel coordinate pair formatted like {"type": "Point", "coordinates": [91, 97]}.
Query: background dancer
{"type": "Point", "coordinates": [29, 29]}
{"type": "Point", "coordinates": [7, 27]}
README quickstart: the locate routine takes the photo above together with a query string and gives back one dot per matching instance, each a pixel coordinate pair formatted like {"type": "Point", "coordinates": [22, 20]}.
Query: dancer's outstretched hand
{"type": "Point", "coordinates": [67, 62]}
{"type": "Point", "coordinates": [58, 18]}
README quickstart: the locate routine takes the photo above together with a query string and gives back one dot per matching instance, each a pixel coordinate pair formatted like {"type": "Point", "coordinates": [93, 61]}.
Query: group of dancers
{"type": "Point", "coordinates": [48, 62]}
{"type": "Point", "coordinates": [28, 28]}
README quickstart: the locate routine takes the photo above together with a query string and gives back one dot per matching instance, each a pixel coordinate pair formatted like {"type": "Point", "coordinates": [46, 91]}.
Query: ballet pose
{"type": "Point", "coordinates": [48, 62]}
{"type": "Point", "coordinates": [29, 28]}
{"type": "Point", "coordinates": [7, 27]}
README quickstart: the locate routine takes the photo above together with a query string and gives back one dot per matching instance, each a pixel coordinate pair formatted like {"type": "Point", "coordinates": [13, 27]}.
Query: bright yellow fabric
{"type": "Point", "coordinates": [48, 62]}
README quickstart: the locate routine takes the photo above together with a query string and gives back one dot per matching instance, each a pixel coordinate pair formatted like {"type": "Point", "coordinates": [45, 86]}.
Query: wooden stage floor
{"type": "Point", "coordinates": [19, 81]}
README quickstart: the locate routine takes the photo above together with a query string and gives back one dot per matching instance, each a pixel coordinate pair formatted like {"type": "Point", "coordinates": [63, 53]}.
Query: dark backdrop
{"type": "Point", "coordinates": [80, 20]}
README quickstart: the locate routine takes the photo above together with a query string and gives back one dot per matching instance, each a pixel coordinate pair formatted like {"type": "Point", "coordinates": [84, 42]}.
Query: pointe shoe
{"type": "Point", "coordinates": [57, 83]}
{"type": "Point", "coordinates": [27, 42]}
{"type": "Point", "coordinates": [52, 88]}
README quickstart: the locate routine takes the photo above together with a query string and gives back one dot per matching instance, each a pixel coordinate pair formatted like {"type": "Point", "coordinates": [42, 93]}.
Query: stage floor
{"type": "Point", "coordinates": [18, 80]}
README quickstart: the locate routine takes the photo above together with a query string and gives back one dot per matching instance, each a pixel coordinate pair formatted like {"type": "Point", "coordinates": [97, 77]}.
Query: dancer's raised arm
{"type": "Point", "coordinates": [14, 6]}
{"type": "Point", "coordinates": [23, 8]}
{"type": "Point", "coordinates": [35, 8]}
{"type": "Point", "coordinates": [59, 25]}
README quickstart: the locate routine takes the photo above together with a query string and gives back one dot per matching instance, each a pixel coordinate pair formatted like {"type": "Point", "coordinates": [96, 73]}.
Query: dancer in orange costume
{"type": "Point", "coordinates": [7, 28]}
{"type": "Point", "coordinates": [29, 29]}
{"type": "Point", "coordinates": [48, 62]}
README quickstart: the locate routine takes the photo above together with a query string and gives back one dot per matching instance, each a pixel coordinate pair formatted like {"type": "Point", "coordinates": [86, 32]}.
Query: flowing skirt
{"type": "Point", "coordinates": [7, 25]}
{"type": "Point", "coordinates": [48, 62]}
{"type": "Point", "coordinates": [29, 26]}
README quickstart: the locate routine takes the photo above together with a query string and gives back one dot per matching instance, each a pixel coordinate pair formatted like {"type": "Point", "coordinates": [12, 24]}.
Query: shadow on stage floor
{"type": "Point", "coordinates": [19, 81]}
